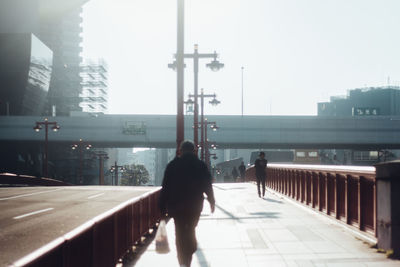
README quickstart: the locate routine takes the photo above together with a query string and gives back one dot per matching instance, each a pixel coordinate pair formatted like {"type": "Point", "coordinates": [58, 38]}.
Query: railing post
{"type": "Point", "coordinates": [359, 202]}
{"type": "Point", "coordinates": [297, 177]}
{"type": "Point", "coordinates": [305, 175]}
{"type": "Point", "coordinates": [293, 177]}
{"type": "Point", "coordinates": [301, 186]}
{"type": "Point", "coordinates": [388, 205]}
{"type": "Point", "coordinates": [336, 193]}
{"type": "Point", "coordinates": [346, 199]}
{"type": "Point", "coordinates": [326, 193]}
{"type": "Point", "coordinates": [319, 191]}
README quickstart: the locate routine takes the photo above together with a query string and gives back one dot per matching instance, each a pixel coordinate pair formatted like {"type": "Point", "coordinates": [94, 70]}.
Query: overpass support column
{"type": "Point", "coordinates": [388, 205]}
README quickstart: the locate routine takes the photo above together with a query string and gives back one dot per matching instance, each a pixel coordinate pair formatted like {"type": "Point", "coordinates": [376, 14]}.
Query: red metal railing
{"type": "Point", "coordinates": [346, 193]}
{"type": "Point", "coordinates": [13, 179]}
{"type": "Point", "coordinates": [102, 241]}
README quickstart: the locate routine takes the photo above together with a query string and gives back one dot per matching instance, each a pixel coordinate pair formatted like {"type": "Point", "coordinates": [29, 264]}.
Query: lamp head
{"type": "Point", "coordinates": [37, 128]}
{"type": "Point", "coordinates": [55, 128]}
{"type": "Point", "coordinates": [214, 127]}
{"type": "Point", "coordinates": [214, 102]}
{"type": "Point", "coordinates": [190, 106]}
{"type": "Point", "coordinates": [215, 65]}
{"type": "Point", "coordinates": [174, 65]}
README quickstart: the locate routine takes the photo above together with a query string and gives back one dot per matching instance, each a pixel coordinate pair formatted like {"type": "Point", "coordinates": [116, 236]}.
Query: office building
{"type": "Point", "coordinates": [94, 96]}
{"type": "Point", "coordinates": [25, 72]}
{"type": "Point", "coordinates": [62, 34]}
{"type": "Point", "coordinates": [372, 101]}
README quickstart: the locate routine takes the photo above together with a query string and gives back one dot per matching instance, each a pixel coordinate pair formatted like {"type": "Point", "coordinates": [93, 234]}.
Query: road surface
{"type": "Point", "coordinates": [31, 217]}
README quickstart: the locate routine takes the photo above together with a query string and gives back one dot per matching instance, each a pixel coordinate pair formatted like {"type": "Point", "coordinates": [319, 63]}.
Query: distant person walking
{"type": "Point", "coordinates": [235, 174]}
{"type": "Point", "coordinates": [261, 173]}
{"type": "Point", "coordinates": [242, 171]}
{"type": "Point", "coordinates": [186, 178]}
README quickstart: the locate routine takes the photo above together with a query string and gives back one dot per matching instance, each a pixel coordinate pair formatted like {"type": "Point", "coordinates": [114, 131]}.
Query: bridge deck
{"type": "Point", "coordinates": [247, 231]}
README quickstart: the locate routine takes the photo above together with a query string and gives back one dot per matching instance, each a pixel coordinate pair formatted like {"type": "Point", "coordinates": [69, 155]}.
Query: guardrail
{"type": "Point", "coordinates": [102, 241]}
{"type": "Point", "coordinates": [346, 193]}
{"type": "Point", "coordinates": [15, 179]}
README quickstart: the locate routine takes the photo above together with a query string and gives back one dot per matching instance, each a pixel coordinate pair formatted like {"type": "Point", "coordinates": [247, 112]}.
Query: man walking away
{"type": "Point", "coordinates": [242, 171]}
{"type": "Point", "coordinates": [235, 174]}
{"type": "Point", "coordinates": [186, 178]}
{"type": "Point", "coordinates": [261, 165]}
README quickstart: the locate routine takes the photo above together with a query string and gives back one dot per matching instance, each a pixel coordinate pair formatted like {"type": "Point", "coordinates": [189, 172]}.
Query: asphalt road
{"type": "Point", "coordinates": [31, 217]}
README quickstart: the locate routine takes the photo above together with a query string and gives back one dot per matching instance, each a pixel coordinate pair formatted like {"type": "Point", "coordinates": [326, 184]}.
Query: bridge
{"type": "Point", "coordinates": [311, 216]}
{"type": "Point", "coordinates": [235, 131]}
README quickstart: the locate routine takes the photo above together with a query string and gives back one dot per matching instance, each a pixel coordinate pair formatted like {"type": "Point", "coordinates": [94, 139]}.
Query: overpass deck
{"type": "Point", "coordinates": [247, 231]}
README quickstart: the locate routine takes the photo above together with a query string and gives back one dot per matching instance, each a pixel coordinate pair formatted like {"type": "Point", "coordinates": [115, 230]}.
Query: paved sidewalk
{"type": "Point", "coordinates": [246, 231]}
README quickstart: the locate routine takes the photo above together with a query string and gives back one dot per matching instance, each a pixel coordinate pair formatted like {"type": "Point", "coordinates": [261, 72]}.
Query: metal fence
{"type": "Point", "coordinates": [346, 193]}
{"type": "Point", "coordinates": [15, 179]}
{"type": "Point", "coordinates": [102, 241]}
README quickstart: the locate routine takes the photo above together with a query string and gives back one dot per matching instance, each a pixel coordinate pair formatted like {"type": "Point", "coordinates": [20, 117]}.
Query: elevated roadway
{"type": "Point", "coordinates": [235, 131]}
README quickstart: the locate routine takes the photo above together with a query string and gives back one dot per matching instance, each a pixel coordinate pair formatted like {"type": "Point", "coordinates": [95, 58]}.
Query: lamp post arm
{"type": "Point", "coordinates": [200, 55]}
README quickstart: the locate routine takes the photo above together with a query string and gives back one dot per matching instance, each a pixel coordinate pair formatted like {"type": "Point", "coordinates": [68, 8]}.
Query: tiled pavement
{"type": "Point", "coordinates": [246, 231]}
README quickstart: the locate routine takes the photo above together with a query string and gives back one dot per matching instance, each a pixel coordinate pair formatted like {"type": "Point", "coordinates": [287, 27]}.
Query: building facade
{"type": "Point", "coordinates": [94, 96]}
{"type": "Point", "coordinates": [25, 72]}
{"type": "Point", "coordinates": [372, 101]}
{"type": "Point", "coordinates": [62, 34]}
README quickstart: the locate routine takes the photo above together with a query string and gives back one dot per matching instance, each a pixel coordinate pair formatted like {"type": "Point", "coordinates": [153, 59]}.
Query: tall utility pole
{"type": "Point", "coordinates": [242, 90]}
{"type": "Point", "coordinates": [180, 135]}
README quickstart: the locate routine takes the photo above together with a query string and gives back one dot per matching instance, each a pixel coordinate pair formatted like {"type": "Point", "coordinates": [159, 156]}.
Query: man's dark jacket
{"type": "Point", "coordinates": [186, 178]}
{"type": "Point", "coordinates": [260, 165]}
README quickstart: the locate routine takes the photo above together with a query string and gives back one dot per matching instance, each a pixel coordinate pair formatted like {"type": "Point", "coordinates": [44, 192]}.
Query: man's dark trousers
{"type": "Point", "coordinates": [261, 179]}
{"type": "Point", "coordinates": [185, 236]}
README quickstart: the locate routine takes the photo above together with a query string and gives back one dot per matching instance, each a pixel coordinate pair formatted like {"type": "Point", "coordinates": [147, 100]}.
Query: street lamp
{"type": "Point", "coordinates": [37, 128]}
{"type": "Point", "coordinates": [214, 127]}
{"type": "Point", "coordinates": [115, 169]}
{"type": "Point", "coordinates": [81, 145]}
{"type": "Point", "coordinates": [213, 102]}
{"type": "Point", "coordinates": [101, 156]}
{"type": "Point", "coordinates": [215, 65]}
{"type": "Point", "coordinates": [189, 106]}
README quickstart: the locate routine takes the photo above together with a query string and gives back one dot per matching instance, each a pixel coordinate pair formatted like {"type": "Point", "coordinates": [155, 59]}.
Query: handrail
{"type": "Point", "coordinates": [345, 193]}
{"type": "Point", "coordinates": [102, 240]}
{"type": "Point", "coordinates": [332, 168]}
{"type": "Point", "coordinates": [13, 179]}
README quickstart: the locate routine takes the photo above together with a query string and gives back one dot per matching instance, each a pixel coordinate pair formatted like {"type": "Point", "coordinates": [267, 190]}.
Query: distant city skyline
{"type": "Point", "coordinates": [294, 53]}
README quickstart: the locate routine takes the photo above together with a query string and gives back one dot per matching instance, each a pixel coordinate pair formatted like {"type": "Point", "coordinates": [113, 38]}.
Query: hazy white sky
{"type": "Point", "coordinates": [295, 52]}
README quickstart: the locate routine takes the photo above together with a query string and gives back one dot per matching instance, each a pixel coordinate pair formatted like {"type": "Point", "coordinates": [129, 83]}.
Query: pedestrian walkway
{"type": "Point", "coordinates": [247, 231]}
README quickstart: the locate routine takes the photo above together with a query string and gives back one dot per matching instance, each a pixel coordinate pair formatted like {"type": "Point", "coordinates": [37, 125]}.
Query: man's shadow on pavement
{"type": "Point", "coordinates": [273, 200]}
